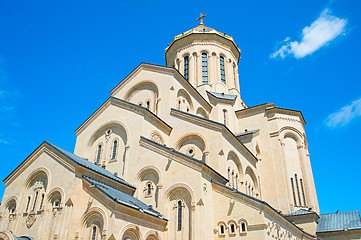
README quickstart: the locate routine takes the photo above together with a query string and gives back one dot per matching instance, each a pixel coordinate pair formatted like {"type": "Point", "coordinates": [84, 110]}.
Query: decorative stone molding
{"type": "Point", "coordinates": [277, 232]}
{"type": "Point", "coordinates": [30, 220]}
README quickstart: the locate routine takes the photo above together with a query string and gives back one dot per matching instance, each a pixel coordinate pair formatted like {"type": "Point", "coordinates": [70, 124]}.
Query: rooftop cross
{"type": "Point", "coordinates": [201, 18]}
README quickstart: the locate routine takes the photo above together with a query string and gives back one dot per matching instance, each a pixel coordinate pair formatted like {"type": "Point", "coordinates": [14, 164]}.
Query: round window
{"type": "Point", "coordinates": [108, 132]}
{"type": "Point", "coordinates": [191, 152]}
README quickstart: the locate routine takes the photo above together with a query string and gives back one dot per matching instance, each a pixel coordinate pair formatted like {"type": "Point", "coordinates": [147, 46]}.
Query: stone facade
{"type": "Point", "coordinates": [174, 153]}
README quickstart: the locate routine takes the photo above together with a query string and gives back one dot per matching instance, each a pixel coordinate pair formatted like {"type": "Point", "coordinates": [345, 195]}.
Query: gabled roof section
{"type": "Point", "coordinates": [126, 105]}
{"type": "Point", "coordinates": [223, 96]}
{"type": "Point", "coordinates": [124, 198]}
{"type": "Point", "coordinates": [171, 151]}
{"type": "Point", "coordinates": [167, 70]}
{"type": "Point", "coordinates": [342, 221]}
{"type": "Point", "coordinates": [89, 165]}
{"type": "Point", "coordinates": [215, 126]}
{"type": "Point", "coordinates": [268, 107]}
{"type": "Point", "coordinates": [73, 159]}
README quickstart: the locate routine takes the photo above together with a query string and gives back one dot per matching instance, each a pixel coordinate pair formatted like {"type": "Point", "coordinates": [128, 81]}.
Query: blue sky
{"type": "Point", "coordinates": [60, 59]}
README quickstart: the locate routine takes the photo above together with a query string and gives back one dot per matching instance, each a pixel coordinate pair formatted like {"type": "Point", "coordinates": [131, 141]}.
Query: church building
{"type": "Point", "coordinates": [176, 154]}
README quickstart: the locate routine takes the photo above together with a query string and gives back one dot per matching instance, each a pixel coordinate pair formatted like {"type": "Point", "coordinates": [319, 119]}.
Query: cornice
{"type": "Point", "coordinates": [195, 34]}
{"type": "Point", "coordinates": [214, 126]}
{"type": "Point", "coordinates": [204, 43]}
{"type": "Point", "coordinates": [254, 109]}
{"type": "Point", "coordinates": [163, 126]}
{"type": "Point", "coordinates": [288, 112]}
{"type": "Point", "coordinates": [182, 158]}
{"type": "Point", "coordinates": [168, 70]}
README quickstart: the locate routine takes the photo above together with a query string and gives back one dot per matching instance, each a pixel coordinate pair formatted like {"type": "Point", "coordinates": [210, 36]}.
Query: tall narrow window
{"type": "Point", "coordinates": [225, 116]}
{"type": "Point", "coordinates": [234, 75]}
{"type": "Point", "coordinates": [243, 227]}
{"type": "Point", "coordinates": [293, 191]}
{"type": "Point", "coordinates": [303, 193]}
{"type": "Point", "coordinates": [148, 105]}
{"type": "Point", "coordinates": [223, 75]}
{"type": "Point", "coordinates": [204, 68]}
{"type": "Point", "coordinates": [27, 204]}
{"type": "Point", "coordinates": [232, 228]}
{"type": "Point", "coordinates": [115, 146]}
{"type": "Point", "coordinates": [42, 201]}
{"type": "Point", "coordinates": [94, 233]}
{"type": "Point", "coordinates": [149, 188]}
{"type": "Point", "coordinates": [222, 229]}
{"type": "Point", "coordinates": [36, 197]}
{"type": "Point", "coordinates": [186, 68]}
{"type": "Point", "coordinates": [179, 215]}
{"type": "Point", "coordinates": [298, 191]}
{"type": "Point", "coordinates": [99, 154]}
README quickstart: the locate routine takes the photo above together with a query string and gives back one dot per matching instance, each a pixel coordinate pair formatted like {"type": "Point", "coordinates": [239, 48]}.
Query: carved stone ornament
{"type": "Point", "coordinates": [30, 220]}
{"type": "Point", "coordinates": [277, 232]}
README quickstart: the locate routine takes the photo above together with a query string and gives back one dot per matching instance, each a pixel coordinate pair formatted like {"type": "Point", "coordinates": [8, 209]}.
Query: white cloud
{"type": "Point", "coordinates": [326, 28]}
{"type": "Point", "coordinates": [344, 115]}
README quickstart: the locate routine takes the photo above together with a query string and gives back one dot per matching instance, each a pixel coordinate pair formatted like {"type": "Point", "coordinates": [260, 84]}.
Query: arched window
{"type": "Point", "coordinates": [94, 233]}
{"type": "Point", "coordinates": [35, 198]}
{"type": "Point", "coordinates": [204, 68]}
{"type": "Point", "coordinates": [148, 105]}
{"type": "Point", "coordinates": [99, 153]}
{"type": "Point", "coordinates": [225, 116]}
{"type": "Point", "coordinates": [115, 146]}
{"type": "Point", "coordinates": [149, 189]}
{"type": "Point", "coordinates": [243, 227]}
{"type": "Point", "coordinates": [221, 229]}
{"type": "Point", "coordinates": [12, 207]}
{"type": "Point", "coordinates": [303, 193]}
{"type": "Point", "coordinates": [186, 68]}
{"type": "Point", "coordinates": [223, 75]}
{"type": "Point", "coordinates": [179, 215]}
{"type": "Point", "coordinates": [42, 201]}
{"type": "Point", "coordinates": [27, 204]}
{"type": "Point", "coordinates": [232, 228]}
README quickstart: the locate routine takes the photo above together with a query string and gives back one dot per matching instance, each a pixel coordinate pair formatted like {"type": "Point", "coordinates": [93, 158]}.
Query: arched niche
{"type": "Point", "coordinates": [180, 198]}
{"type": "Point", "coordinates": [251, 183]}
{"type": "Point", "coordinates": [149, 182]}
{"type": "Point", "coordinates": [192, 145]}
{"type": "Point", "coordinates": [93, 222]}
{"type": "Point", "coordinates": [202, 113]}
{"type": "Point", "coordinates": [145, 94]}
{"type": "Point", "coordinates": [108, 143]}
{"type": "Point", "coordinates": [234, 170]}
{"type": "Point", "coordinates": [130, 232]}
{"type": "Point", "coordinates": [184, 101]}
{"type": "Point", "coordinates": [152, 235]}
{"type": "Point", "coordinates": [36, 190]}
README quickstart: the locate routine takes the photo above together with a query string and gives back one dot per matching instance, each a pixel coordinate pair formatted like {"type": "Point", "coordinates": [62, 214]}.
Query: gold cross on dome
{"type": "Point", "coordinates": [201, 18]}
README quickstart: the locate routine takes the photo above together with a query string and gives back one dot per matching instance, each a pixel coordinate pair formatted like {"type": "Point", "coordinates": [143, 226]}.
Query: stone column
{"type": "Point", "coordinates": [195, 69]}
{"type": "Point", "coordinates": [125, 160]}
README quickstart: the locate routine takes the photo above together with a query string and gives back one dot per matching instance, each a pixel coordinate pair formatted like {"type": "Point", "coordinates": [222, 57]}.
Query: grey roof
{"type": "Point", "coordinates": [223, 96]}
{"type": "Point", "coordinates": [300, 212]}
{"type": "Point", "coordinates": [248, 132]}
{"type": "Point", "coordinates": [124, 198]}
{"type": "Point", "coordinates": [339, 222]}
{"type": "Point", "coordinates": [89, 165]}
